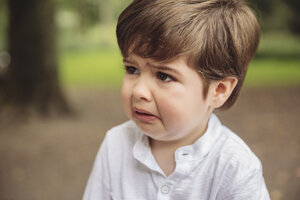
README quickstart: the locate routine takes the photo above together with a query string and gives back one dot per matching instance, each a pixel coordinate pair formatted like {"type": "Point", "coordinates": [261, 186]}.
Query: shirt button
{"type": "Point", "coordinates": [165, 189]}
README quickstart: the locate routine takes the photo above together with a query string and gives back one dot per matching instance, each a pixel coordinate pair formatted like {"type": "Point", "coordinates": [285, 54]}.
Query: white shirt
{"type": "Point", "coordinates": [219, 165]}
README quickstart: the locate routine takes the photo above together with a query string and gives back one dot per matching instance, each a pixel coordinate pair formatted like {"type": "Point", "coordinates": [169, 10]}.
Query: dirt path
{"type": "Point", "coordinates": [51, 159]}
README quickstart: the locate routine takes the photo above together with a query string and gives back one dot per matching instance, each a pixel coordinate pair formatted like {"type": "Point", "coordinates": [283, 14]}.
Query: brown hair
{"type": "Point", "coordinates": [218, 37]}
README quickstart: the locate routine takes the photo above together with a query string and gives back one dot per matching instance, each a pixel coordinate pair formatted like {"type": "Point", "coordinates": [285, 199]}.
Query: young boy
{"type": "Point", "coordinates": [183, 59]}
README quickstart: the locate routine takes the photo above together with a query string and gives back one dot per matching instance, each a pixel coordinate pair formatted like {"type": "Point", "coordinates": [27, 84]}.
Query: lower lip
{"type": "Point", "coordinates": [144, 118]}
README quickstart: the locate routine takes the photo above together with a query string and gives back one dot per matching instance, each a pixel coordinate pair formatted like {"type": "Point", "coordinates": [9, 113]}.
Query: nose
{"type": "Point", "coordinates": [142, 90]}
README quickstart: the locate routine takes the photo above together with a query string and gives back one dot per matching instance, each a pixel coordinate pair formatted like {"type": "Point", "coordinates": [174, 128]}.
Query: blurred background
{"type": "Point", "coordinates": [60, 76]}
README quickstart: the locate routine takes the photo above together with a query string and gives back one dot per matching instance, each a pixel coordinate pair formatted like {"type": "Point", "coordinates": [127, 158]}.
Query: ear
{"type": "Point", "coordinates": [221, 90]}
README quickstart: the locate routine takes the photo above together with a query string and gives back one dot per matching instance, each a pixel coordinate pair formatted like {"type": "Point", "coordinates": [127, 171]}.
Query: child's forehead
{"type": "Point", "coordinates": [177, 64]}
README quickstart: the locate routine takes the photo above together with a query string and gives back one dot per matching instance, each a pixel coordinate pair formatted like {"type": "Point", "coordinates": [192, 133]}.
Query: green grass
{"type": "Point", "coordinates": [273, 73]}
{"type": "Point", "coordinates": [92, 68]}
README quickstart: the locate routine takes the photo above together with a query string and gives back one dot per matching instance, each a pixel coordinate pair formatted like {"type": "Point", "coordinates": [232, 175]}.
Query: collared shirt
{"type": "Point", "coordinates": [218, 166]}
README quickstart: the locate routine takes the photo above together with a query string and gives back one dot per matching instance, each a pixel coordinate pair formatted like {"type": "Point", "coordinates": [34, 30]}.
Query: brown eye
{"type": "Point", "coordinates": [131, 70]}
{"type": "Point", "coordinates": [164, 77]}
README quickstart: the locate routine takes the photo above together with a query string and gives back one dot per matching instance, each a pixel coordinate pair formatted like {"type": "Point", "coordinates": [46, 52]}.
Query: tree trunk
{"type": "Point", "coordinates": [81, 10]}
{"type": "Point", "coordinates": [32, 78]}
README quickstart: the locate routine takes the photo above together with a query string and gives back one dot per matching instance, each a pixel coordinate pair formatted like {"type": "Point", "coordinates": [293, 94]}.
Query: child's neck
{"type": "Point", "coordinates": [164, 151]}
{"type": "Point", "coordinates": [164, 156]}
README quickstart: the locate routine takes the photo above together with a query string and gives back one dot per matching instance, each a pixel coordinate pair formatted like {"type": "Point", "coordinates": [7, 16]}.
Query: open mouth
{"type": "Point", "coordinates": [144, 116]}
{"type": "Point", "coordinates": [142, 113]}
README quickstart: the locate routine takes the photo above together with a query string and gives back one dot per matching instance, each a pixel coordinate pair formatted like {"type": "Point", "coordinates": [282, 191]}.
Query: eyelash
{"type": "Point", "coordinates": [160, 75]}
{"type": "Point", "coordinates": [164, 77]}
{"type": "Point", "coordinates": [131, 70]}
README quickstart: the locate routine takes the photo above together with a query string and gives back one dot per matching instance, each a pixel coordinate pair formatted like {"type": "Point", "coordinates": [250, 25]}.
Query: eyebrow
{"type": "Point", "coordinates": [158, 67]}
{"type": "Point", "coordinates": [164, 68]}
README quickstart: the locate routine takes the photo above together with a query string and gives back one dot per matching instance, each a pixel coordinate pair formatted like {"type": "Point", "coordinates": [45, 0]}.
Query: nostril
{"type": "Point", "coordinates": [142, 93]}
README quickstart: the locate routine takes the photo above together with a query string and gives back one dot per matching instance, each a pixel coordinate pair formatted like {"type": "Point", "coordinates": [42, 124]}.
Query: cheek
{"type": "Point", "coordinates": [181, 108]}
{"type": "Point", "coordinates": [172, 107]}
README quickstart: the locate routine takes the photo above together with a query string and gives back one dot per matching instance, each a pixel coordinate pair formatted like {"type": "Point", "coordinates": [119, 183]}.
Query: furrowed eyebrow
{"type": "Point", "coordinates": [157, 67]}
{"type": "Point", "coordinates": [165, 68]}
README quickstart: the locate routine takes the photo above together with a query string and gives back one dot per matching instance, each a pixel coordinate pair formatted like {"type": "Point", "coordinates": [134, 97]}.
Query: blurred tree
{"type": "Point", "coordinates": [80, 7]}
{"type": "Point", "coordinates": [273, 14]}
{"type": "Point", "coordinates": [264, 6]}
{"type": "Point", "coordinates": [88, 13]}
{"type": "Point", "coordinates": [32, 78]}
{"type": "Point", "coordinates": [294, 21]}
{"type": "Point", "coordinates": [105, 11]}
{"type": "Point", "coordinates": [3, 20]}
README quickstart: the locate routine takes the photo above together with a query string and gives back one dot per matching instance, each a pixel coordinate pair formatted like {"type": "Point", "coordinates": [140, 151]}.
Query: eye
{"type": "Point", "coordinates": [131, 70]}
{"type": "Point", "coordinates": [164, 77]}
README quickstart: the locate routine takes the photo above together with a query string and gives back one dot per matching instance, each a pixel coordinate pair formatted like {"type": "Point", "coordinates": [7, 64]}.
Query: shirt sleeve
{"type": "Point", "coordinates": [247, 186]}
{"type": "Point", "coordinates": [98, 186]}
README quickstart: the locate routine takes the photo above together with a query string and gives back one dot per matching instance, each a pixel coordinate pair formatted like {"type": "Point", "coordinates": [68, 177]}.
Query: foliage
{"type": "Point", "coordinates": [279, 45]}
{"type": "Point", "coordinates": [264, 6]}
{"type": "Point", "coordinates": [93, 12]}
{"type": "Point", "coordinates": [276, 15]}
{"type": "Point", "coordinates": [294, 4]}
{"type": "Point", "coordinates": [294, 21]}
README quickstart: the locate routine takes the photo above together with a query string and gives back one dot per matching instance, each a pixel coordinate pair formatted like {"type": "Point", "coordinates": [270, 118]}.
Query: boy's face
{"type": "Point", "coordinates": [165, 100]}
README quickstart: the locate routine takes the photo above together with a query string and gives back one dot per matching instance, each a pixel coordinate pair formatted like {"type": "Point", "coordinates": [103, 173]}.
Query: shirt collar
{"type": "Point", "coordinates": [197, 150]}
{"type": "Point", "coordinates": [142, 152]}
{"type": "Point", "coordinates": [202, 146]}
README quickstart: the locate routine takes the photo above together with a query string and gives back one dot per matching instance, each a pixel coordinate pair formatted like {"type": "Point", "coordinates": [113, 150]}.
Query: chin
{"type": "Point", "coordinates": [151, 133]}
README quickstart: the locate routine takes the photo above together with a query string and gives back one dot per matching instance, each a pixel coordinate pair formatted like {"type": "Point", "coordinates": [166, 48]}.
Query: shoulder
{"type": "Point", "coordinates": [241, 170]}
{"type": "Point", "coordinates": [229, 155]}
{"type": "Point", "coordinates": [238, 165]}
{"type": "Point", "coordinates": [238, 152]}
{"type": "Point", "coordinates": [229, 149]}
